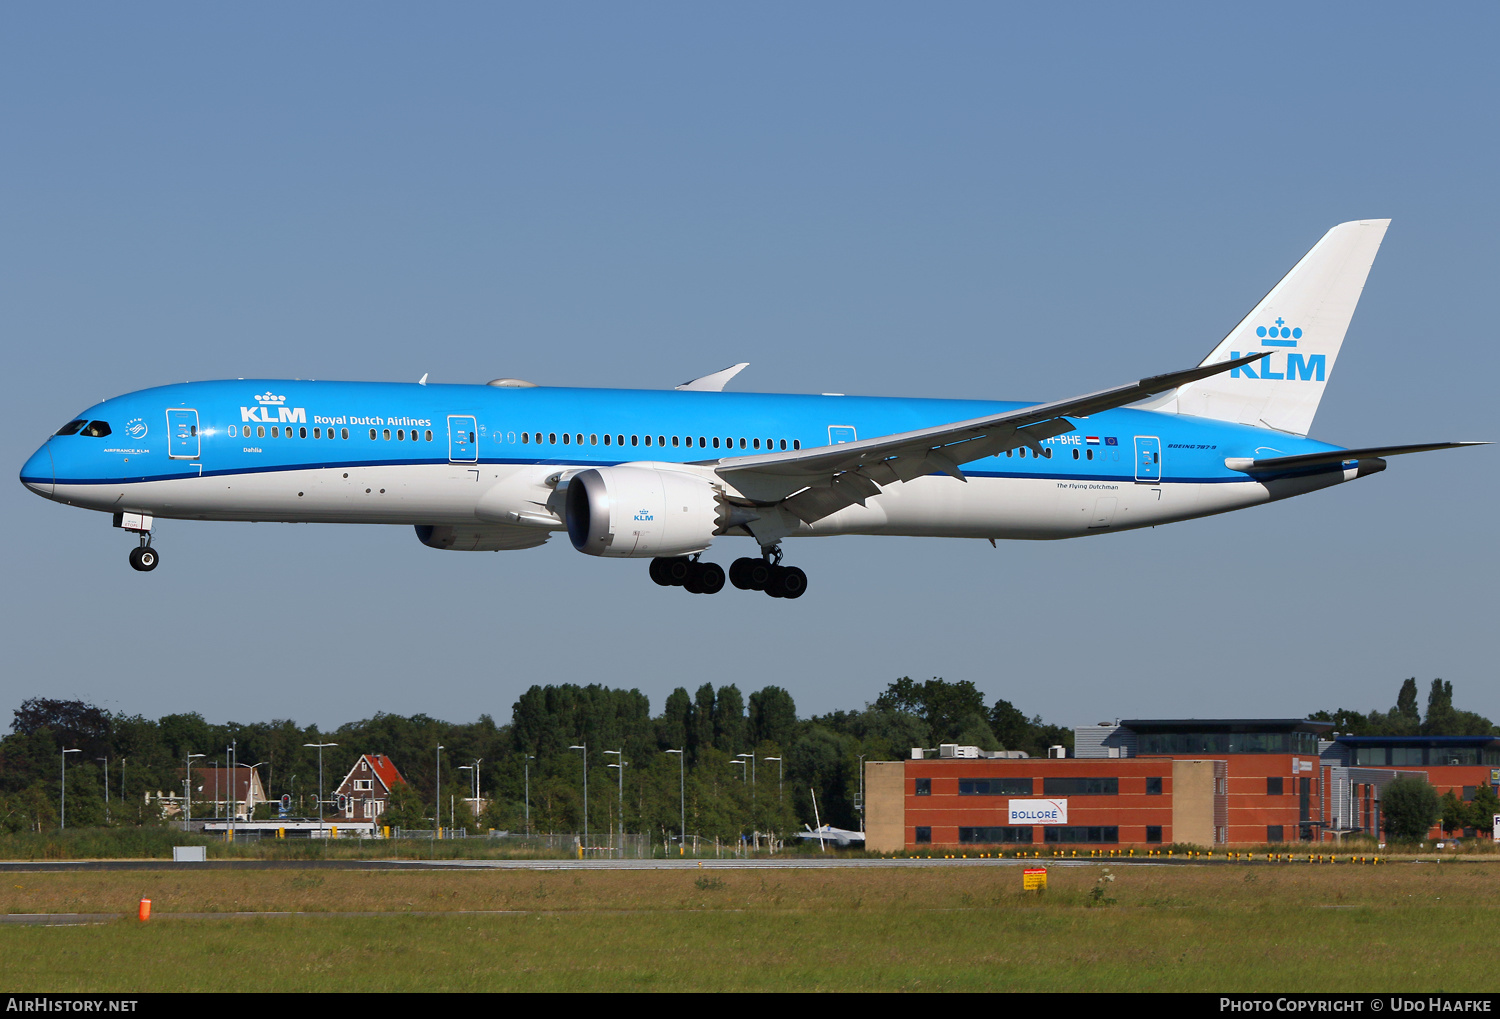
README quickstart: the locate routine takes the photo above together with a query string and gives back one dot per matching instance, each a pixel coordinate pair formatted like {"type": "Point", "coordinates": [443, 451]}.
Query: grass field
{"type": "Point", "coordinates": [1264, 927]}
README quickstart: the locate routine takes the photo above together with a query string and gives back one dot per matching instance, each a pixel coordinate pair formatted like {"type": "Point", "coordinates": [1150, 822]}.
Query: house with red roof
{"type": "Point", "coordinates": [366, 790]}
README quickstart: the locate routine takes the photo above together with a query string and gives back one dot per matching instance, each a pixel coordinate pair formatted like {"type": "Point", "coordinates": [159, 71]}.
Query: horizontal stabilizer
{"type": "Point", "coordinates": [1283, 464]}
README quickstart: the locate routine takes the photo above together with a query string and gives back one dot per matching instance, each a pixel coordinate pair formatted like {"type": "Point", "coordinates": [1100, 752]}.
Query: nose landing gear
{"type": "Point", "coordinates": [143, 557]}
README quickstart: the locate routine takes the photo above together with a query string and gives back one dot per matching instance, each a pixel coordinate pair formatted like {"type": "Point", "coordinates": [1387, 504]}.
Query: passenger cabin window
{"type": "Point", "coordinates": [71, 427]}
{"type": "Point", "coordinates": [96, 429]}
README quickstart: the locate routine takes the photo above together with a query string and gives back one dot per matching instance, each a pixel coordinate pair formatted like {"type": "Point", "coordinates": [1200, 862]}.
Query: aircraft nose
{"type": "Point", "coordinates": [38, 474]}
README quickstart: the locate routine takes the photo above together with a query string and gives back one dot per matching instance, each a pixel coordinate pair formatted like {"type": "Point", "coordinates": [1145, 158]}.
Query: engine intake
{"type": "Point", "coordinates": [639, 512]}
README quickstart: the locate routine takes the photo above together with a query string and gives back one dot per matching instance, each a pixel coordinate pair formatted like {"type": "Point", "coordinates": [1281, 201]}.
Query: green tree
{"type": "Point", "coordinates": [406, 809]}
{"type": "Point", "coordinates": [672, 727]}
{"type": "Point", "coordinates": [1409, 808]}
{"type": "Point", "coordinates": [948, 708]}
{"type": "Point", "coordinates": [773, 716]}
{"type": "Point", "coordinates": [1406, 705]}
{"type": "Point", "coordinates": [701, 722]}
{"type": "Point", "coordinates": [1453, 813]}
{"type": "Point", "coordinates": [1440, 715]}
{"type": "Point", "coordinates": [1483, 808]}
{"type": "Point", "coordinates": [729, 720]}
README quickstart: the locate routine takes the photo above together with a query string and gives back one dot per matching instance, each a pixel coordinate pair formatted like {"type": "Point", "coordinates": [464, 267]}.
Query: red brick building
{"type": "Point", "coordinates": [1146, 782]}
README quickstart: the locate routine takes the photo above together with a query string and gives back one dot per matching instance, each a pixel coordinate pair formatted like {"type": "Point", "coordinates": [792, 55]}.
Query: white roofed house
{"type": "Point", "coordinates": [367, 788]}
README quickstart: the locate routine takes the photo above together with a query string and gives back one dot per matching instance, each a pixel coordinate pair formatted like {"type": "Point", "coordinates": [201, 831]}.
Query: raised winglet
{"type": "Point", "coordinates": [714, 383]}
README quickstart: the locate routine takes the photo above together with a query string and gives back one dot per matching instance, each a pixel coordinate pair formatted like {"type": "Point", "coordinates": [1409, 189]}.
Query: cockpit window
{"type": "Point", "coordinates": [96, 429]}
{"type": "Point", "coordinates": [71, 427]}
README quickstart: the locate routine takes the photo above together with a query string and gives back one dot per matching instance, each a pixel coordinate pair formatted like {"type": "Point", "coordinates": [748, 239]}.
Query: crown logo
{"type": "Point", "coordinates": [1280, 329]}
{"type": "Point", "coordinates": [269, 399]}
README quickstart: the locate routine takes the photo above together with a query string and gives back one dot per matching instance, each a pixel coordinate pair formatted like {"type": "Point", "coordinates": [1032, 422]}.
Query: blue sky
{"type": "Point", "coordinates": [953, 201]}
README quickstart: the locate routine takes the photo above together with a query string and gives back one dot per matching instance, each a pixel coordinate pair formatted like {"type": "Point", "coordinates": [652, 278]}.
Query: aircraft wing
{"type": "Point", "coordinates": [813, 483]}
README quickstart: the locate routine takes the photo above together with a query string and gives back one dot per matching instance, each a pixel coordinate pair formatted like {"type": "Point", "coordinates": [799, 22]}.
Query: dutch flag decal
{"type": "Point", "coordinates": [1092, 440]}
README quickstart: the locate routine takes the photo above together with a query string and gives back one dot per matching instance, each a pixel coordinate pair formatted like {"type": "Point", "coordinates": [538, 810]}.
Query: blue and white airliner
{"type": "Point", "coordinates": [661, 475]}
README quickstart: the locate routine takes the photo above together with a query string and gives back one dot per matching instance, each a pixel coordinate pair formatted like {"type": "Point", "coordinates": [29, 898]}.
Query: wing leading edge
{"type": "Point", "coordinates": [814, 483]}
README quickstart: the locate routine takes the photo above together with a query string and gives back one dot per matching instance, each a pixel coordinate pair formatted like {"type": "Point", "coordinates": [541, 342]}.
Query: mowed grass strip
{"type": "Point", "coordinates": [1308, 928]}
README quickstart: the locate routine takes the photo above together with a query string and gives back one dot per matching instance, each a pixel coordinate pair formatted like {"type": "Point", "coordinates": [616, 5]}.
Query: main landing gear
{"type": "Point", "coordinates": [143, 557]}
{"type": "Point", "coordinates": [764, 574]}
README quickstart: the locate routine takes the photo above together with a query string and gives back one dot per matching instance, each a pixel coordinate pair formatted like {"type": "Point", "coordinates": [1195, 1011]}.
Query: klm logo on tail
{"type": "Point", "coordinates": [1312, 368]}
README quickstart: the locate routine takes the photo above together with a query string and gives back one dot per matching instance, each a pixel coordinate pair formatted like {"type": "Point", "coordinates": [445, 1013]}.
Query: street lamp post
{"type": "Point", "coordinates": [778, 775]}
{"type": "Point", "coordinates": [779, 801]}
{"type": "Point", "coordinates": [187, 789]}
{"type": "Point", "coordinates": [322, 829]}
{"type": "Point", "coordinates": [681, 800]}
{"type": "Point", "coordinates": [621, 766]}
{"type": "Point", "coordinates": [585, 748]}
{"type": "Point", "coordinates": [250, 787]}
{"type": "Point", "coordinates": [752, 778]}
{"type": "Point", "coordinates": [862, 792]}
{"type": "Point", "coordinates": [62, 810]}
{"type": "Point", "coordinates": [526, 766]}
{"type": "Point", "coordinates": [437, 806]}
{"type": "Point", "coordinates": [106, 787]}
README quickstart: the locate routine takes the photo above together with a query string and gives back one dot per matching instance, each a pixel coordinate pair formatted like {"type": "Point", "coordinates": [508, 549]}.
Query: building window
{"type": "Point", "coordinates": [994, 787]}
{"type": "Point", "coordinates": [924, 836]}
{"type": "Point", "coordinates": [1081, 833]}
{"type": "Point", "coordinates": [1274, 833]}
{"type": "Point", "coordinates": [1003, 836]}
{"type": "Point", "coordinates": [1079, 786]}
{"type": "Point", "coordinates": [1273, 786]}
{"type": "Point", "coordinates": [1153, 833]}
{"type": "Point", "coordinates": [1153, 788]}
{"type": "Point", "coordinates": [924, 787]}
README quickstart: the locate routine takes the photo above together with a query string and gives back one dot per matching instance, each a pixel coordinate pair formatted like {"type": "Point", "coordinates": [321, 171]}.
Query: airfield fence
{"type": "Point", "coordinates": [598, 846]}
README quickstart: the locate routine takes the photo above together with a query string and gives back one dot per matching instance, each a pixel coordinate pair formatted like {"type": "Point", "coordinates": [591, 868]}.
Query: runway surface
{"type": "Point", "coordinates": [764, 863]}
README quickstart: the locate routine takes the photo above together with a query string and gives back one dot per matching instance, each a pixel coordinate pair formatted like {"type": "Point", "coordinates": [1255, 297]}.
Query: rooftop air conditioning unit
{"type": "Point", "coordinates": [1057, 750]}
{"type": "Point", "coordinates": [954, 750]}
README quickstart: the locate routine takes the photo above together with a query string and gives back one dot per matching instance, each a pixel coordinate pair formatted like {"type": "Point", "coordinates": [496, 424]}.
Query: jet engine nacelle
{"type": "Point", "coordinates": [637, 512]}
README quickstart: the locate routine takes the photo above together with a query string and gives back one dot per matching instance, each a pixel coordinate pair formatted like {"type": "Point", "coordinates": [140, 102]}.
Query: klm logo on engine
{"type": "Point", "coordinates": [644, 517]}
{"type": "Point", "coordinates": [262, 414]}
{"type": "Point", "coordinates": [1296, 367]}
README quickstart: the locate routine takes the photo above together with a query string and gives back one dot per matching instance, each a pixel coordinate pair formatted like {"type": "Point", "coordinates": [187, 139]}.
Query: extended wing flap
{"type": "Point", "coordinates": [805, 479]}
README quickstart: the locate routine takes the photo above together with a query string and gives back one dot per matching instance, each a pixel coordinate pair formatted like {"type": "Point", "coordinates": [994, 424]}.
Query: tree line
{"type": "Point", "coordinates": [1405, 719]}
{"type": "Point", "coordinates": [743, 764]}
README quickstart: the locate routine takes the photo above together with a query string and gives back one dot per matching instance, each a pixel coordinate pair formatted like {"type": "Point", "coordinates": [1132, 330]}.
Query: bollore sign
{"type": "Point", "coordinates": [1038, 812]}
